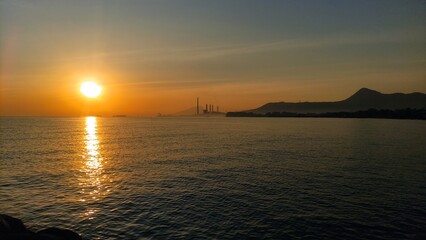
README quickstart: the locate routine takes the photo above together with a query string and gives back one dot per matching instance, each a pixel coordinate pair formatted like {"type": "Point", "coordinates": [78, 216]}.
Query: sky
{"type": "Point", "coordinates": [158, 56]}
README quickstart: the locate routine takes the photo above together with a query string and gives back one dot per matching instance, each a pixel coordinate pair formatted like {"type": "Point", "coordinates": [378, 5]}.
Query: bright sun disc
{"type": "Point", "coordinates": [90, 89]}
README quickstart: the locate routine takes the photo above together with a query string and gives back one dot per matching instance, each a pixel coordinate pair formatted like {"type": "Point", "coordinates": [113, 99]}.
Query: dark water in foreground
{"type": "Point", "coordinates": [172, 178]}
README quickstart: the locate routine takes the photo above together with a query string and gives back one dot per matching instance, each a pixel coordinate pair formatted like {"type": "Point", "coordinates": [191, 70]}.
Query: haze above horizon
{"type": "Point", "coordinates": [158, 56]}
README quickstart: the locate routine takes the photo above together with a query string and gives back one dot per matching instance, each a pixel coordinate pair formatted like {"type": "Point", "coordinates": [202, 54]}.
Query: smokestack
{"type": "Point", "coordinates": [217, 109]}
{"type": "Point", "coordinates": [212, 108]}
{"type": "Point", "coordinates": [198, 111]}
{"type": "Point", "coordinates": [206, 108]}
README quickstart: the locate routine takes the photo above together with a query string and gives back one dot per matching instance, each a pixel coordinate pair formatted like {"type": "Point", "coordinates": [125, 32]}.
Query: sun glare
{"type": "Point", "coordinates": [90, 89]}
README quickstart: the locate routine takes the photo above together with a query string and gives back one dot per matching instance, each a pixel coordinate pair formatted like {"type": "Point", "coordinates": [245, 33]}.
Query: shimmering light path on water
{"type": "Point", "coordinates": [171, 178]}
{"type": "Point", "coordinates": [92, 182]}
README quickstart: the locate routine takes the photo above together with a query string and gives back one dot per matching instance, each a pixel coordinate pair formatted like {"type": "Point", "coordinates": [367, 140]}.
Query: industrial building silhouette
{"type": "Point", "coordinates": [210, 108]}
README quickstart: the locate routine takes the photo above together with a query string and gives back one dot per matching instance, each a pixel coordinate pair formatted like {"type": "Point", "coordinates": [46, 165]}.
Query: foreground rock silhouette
{"type": "Point", "coordinates": [14, 229]}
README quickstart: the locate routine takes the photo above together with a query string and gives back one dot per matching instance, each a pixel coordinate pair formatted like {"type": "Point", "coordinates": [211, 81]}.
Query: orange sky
{"type": "Point", "coordinates": [156, 57]}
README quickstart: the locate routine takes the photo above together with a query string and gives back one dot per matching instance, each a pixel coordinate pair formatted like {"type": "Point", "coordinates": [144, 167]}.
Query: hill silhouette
{"type": "Point", "coordinates": [362, 100]}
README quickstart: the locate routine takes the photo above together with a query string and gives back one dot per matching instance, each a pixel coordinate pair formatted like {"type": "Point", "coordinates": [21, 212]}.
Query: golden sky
{"type": "Point", "coordinates": [158, 56]}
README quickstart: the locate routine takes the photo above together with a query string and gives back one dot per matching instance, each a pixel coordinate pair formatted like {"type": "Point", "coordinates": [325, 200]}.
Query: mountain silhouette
{"type": "Point", "coordinates": [363, 99]}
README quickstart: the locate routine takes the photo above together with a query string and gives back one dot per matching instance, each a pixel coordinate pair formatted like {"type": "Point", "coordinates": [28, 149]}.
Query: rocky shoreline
{"type": "Point", "coordinates": [14, 229]}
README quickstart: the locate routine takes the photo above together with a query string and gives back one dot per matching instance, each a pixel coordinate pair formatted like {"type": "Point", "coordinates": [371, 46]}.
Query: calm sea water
{"type": "Point", "coordinates": [223, 178]}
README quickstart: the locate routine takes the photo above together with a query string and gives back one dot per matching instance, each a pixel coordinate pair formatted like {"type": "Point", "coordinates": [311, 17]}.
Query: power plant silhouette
{"type": "Point", "coordinates": [210, 108]}
{"type": "Point", "coordinates": [209, 111]}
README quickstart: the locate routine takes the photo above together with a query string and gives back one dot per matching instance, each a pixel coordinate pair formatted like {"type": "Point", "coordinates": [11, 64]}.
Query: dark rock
{"type": "Point", "coordinates": [10, 224]}
{"type": "Point", "coordinates": [20, 236]}
{"type": "Point", "coordinates": [58, 234]}
{"type": "Point", "coordinates": [14, 229]}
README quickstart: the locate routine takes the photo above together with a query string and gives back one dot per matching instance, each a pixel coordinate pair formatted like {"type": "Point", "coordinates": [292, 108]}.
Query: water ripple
{"type": "Point", "coordinates": [141, 178]}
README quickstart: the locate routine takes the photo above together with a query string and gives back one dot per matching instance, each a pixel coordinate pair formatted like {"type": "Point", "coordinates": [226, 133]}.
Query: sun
{"type": "Point", "coordinates": [90, 89]}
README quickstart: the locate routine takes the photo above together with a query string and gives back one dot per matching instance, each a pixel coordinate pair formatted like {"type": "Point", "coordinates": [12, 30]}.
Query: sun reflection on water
{"type": "Point", "coordinates": [94, 160]}
{"type": "Point", "coordinates": [92, 184]}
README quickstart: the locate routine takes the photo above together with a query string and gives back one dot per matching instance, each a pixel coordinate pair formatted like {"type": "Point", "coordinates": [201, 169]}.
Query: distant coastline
{"type": "Point", "coordinates": [370, 113]}
{"type": "Point", "coordinates": [365, 103]}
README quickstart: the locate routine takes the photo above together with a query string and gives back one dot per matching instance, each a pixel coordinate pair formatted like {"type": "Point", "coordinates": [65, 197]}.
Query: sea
{"type": "Point", "coordinates": [216, 177]}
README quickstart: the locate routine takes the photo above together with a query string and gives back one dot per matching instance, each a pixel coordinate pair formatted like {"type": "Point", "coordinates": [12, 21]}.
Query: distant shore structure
{"type": "Point", "coordinates": [210, 108]}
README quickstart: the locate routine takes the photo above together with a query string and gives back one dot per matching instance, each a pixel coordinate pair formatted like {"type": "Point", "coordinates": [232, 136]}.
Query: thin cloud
{"type": "Point", "coordinates": [211, 52]}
